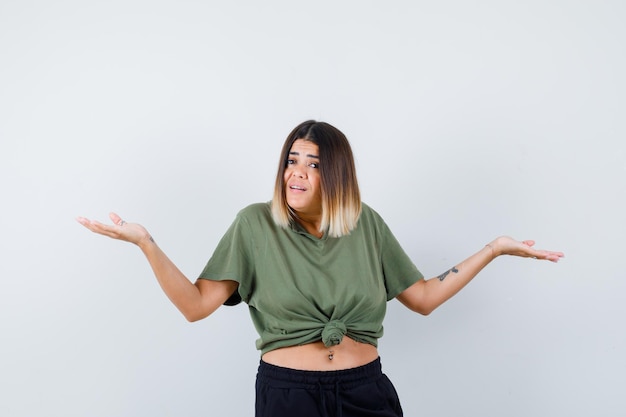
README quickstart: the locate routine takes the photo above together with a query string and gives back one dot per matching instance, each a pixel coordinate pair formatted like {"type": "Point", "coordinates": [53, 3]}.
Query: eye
{"type": "Point", "coordinates": [314, 165]}
{"type": "Point", "coordinates": [290, 161]}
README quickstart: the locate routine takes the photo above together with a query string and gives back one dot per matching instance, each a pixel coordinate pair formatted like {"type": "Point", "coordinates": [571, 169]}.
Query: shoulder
{"type": "Point", "coordinates": [372, 222]}
{"type": "Point", "coordinates": [368, 214]}
{"type": "Point", "coordinates": [259, 214]}
{"type": "Point", "coordinates": [250, 221]}
{"type": "Point", "coordinates": [255, 209]}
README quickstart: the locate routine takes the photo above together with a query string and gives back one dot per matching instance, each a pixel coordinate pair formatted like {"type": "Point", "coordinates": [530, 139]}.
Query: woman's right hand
{"type": "Point", "coordinates": [195, 301]}
{"type": "Point", "coordinates": [121, 230]}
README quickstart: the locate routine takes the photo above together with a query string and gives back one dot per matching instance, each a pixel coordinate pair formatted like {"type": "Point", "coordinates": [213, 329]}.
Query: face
{"type": "Point", "coordinates": [302, 179]}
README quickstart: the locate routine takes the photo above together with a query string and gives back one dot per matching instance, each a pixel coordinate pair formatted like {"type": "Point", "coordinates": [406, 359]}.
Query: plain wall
{"type": "Point", "coordinates": [468, 120]}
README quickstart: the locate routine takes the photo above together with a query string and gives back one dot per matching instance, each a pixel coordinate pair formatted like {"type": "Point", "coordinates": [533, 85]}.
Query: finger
{"type": "Point", "coordinates": [112, 231]}
{"type": "Point", "coordinates": [89, 224]}
{"type": "Point", "coordinates": [103, 229]}
{"type": "Point", "coordinates": [555, 256]}
{"type": "Point", "coordinates": [115, 218]}
{"type": "Point", "coordinates": [550, 255]}
{"type": "Point", "coordinates": [529, 242]}
{"type": "Point", "coordinates": [552, 258]}
{"type": "Point", "coordinates": [82, 220]}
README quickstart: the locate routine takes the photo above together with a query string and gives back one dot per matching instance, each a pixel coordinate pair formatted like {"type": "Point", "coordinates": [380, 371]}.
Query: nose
{"type": "Point", "coordinates": [298, 172]}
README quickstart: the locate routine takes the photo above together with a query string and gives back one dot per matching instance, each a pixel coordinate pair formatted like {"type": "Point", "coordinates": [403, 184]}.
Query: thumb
{"type": "Point", "coordinates": [115, 218]}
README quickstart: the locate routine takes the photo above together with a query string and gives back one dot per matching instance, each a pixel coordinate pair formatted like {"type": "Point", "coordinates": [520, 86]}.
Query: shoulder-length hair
{"type": "Point", "coordinates": [341, 199]}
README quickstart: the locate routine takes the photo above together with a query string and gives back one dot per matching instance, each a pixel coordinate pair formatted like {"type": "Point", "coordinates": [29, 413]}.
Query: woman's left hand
{"type": "Point", "coordinates": [505, 245]}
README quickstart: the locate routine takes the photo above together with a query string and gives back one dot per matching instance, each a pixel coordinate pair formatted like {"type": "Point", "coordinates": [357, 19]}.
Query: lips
{"type": "Point", "coordinates": [297, 187]}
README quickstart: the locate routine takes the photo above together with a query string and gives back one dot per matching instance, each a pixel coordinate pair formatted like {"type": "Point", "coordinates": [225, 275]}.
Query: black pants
{"type": "Point", "coordinates": [358, 392]}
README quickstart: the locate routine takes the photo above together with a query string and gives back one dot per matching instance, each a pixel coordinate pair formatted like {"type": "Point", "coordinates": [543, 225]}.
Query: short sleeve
{"type": "Point", "coordinates": [232, 260]}
{"type": "Point", "coordinates": [398, 269]}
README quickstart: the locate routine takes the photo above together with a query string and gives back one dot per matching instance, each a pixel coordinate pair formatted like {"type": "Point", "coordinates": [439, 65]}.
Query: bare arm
{"type": "Point", "coordinates": [195, 301]}
{"type": "Point", "coordinates": [425, 296]}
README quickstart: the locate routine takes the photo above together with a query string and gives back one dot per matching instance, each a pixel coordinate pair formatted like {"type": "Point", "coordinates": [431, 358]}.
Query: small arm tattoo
{"type": "Point", "coordinates": [445, 274]}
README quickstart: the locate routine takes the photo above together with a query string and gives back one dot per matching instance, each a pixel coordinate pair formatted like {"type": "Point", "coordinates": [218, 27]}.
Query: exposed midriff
{"type": "Point", "coordinates": [316, 356]}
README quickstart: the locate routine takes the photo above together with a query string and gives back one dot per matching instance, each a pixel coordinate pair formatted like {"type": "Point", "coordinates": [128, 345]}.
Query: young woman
{"type": "Point", "coordinates": [316, 267]}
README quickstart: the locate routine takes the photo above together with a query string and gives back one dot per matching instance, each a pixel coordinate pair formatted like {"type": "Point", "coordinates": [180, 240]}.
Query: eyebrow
{"type": "Point", "coordinates": [309, 155]}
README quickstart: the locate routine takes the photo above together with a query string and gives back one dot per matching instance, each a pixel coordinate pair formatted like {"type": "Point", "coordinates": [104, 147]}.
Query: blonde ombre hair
{"type": "Point", "coordinates": [341, 198]}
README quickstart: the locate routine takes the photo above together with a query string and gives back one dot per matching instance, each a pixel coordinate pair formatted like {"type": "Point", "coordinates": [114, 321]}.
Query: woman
{"type": "Point", "coordinates": [316, 267]}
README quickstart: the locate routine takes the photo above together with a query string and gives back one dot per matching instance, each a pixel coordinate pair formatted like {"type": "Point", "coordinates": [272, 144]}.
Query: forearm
{"type": "Point", "coordinates": [181, 292]}
{"type": "Point", "coordinates": [425, 296]}
{"type": "Point", "coordinates": [441, 288]}
{"type": "Point", "coordinates": [195, 301]}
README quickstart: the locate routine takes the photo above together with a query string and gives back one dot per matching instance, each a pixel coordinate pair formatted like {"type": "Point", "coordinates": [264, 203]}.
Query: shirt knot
{"type": "Point", "coordinates": [333, 333]}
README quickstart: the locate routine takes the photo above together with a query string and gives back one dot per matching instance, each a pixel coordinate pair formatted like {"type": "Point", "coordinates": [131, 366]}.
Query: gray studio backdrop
{"type": "Point", "coordinates": [468, 120]}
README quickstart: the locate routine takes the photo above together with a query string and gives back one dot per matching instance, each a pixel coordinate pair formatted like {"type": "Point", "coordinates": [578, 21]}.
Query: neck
{"type": "Point", "coordinates": [311, 224]}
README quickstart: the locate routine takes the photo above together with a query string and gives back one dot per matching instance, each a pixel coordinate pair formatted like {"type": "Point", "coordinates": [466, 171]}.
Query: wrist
{"type": "Point", "coordinates": [492, 249]}
{"type": "Point", "coordinates": [146, 242]}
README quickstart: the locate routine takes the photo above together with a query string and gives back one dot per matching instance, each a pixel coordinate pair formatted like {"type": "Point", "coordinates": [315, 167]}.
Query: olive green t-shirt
{"type": "Point", "coordinates": [301, 289]}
